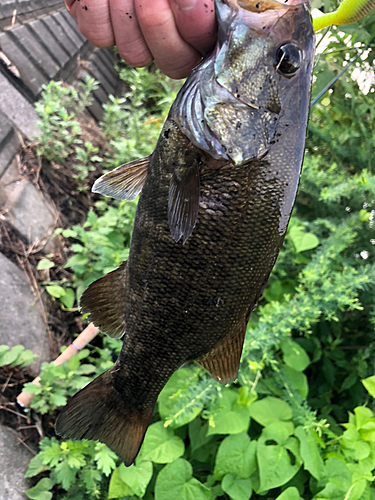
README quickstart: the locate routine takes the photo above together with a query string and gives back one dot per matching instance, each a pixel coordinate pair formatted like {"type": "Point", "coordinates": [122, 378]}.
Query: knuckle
{"type": "Point", "coordinates": [137, 59]}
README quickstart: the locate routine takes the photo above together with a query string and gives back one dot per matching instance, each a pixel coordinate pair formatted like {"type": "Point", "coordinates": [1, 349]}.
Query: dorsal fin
{"type": "Point", "coordinates": [183, 204]}
{"type": "Point", "coordinates": [223, 360]}
{"type": "Point", "coordinates": [104, 300]}
{"type": "Point", "coordinates": [125, 182]}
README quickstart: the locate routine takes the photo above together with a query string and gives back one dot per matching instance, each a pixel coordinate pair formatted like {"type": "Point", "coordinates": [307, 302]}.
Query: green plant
{"type": "Point", "coordinates": [58, 110]}
{"type": "Point", "coordinates": [86, 157]}
{"type": "Point", "coordinates": [16, 356]}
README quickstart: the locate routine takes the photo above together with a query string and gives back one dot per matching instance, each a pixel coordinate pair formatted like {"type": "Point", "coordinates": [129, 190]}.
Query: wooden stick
{"type": "Point", "coordinates": [24, 398]}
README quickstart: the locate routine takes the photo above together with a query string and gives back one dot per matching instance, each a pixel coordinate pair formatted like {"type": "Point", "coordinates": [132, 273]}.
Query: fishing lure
{"type": "Point", "coordinates": [350, 11]}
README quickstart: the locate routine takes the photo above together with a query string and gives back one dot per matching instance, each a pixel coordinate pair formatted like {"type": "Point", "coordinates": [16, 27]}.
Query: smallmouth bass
{"type": "Point", "coordinates": [216, 198]}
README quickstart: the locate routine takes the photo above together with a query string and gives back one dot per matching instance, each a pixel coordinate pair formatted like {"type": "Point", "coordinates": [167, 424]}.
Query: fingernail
{"type": "Point", "coordinates": [185, 4]}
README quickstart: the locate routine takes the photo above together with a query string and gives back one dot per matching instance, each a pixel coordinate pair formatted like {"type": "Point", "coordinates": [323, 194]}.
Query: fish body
{"type": "Point", "coordinates": [217, 195]}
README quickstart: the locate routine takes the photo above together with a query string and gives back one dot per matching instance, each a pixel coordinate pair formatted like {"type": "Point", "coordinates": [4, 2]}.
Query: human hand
{"type": "Point", "coordinates": [174, 33]}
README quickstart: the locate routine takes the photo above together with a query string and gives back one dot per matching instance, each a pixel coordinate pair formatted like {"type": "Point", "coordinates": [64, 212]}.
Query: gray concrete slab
{"type": "Point", "coordinates": [73, 24]}
{"type": "Point", "coordinates": [21, 320]}
{"type": "Point", "coordinates": [49, 42]}
{"type": "Point", "coordinates": [17, 109]}
{"type": "Point", "coordinates": [14, 459]}
{"type": "Point", "coordinates": [35, 51]}
{"type": "Point", "coordinates": [26, 210]}
{"type": "Point", "coordinates": [72, 33]}
{"type": "Point", "coordinates": [56, 30]}
{"type": "Point", "coordinates": [110, 75]}
{"type": "Point", "coordinates": [6, 8]}
{"type": "Point", "coordinates": [31, 77]}
{"type": "Point", "coordinates": [99, 75]}
{"type": "Point", "coordinates": [9, 143]}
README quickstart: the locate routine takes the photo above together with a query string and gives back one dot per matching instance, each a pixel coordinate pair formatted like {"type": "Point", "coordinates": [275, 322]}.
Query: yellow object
{"type": "Point", "coordinates": [349, 12]}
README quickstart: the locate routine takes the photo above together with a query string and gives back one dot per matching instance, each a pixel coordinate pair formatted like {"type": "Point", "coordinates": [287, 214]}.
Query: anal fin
{"type": "Point", "coordinates": [104, 300]}
{"type": "Point", "coordinates": [125, 182]}
{"type": "Point", "coordinates": [223, 360]}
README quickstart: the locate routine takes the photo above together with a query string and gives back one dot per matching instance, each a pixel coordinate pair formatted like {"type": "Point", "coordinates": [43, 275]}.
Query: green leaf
{"type": "Point", "coordinates": [161, 445]}
{"type": "Point", "coordinates": [270, 409]}
{"type": "Point", "coordinates": [175, 481]}
{"type": "Point", "coordinates": [56, 291]}
{"type": "Point", "coordinates": [294, 355]}
{"type": "Point", "coordinates": [69, 233]}
{"type": "Point", "coordinates": [11, 356]}
{"type": "Point", "coordinates": [25, 358]}
{"type": "Point", "coordinates": [236, 488]}
{"type": "Point", "coordinates": [236, 454]}
{"type": "Point", "coordinates": [69, 298]}
{"type": "Point", "coordinates": [44, 264]}
{"type": "Point", "coordinates": [137, 476]}
{"type": "Point", "coordinates": [51, 452]}
{"type": "Point", "coordinates": [301, 240]}
{"type": "Point", "coordinates": [65, 474]}
{"type": "Point", "coordinates": [3, 350]}
{"type": "Point", "coordinates": [36, 466]}
{"type": "Point", "coordinates": [105, 458]}
{"type": "Point", "coordinates": [356, 490]}
{"type": "Point", "coordinates": [289, 494]}
{"type": "Point", "coordinates": [232, 417]}
{"type": "Point", "coordinates": [57, 399]}
{"type": "Point", "coordinates": [297, 380]}
{"type": "Point", "coordinates": [310, 455]}
{"type": "Point", "coordinates": [117, 487]}
{"type": "Point", "coordinates": [76, 260]}
{"type": "Point", "coordinates": [41, 490]}
{"type": "Point", "coordinates": [274, 453]}
{"type": "Point", "coordinates": [198, 434]}
{"type": "Point", "coordinates": [172, 407]}
{"type": "Point", "coordinates": [369, 384]}
{"type": "Point", "coordinates": [31, 388]}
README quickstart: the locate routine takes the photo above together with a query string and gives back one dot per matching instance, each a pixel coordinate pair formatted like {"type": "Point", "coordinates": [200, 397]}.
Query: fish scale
{"type": "Point", "coordinates": [212, 215]}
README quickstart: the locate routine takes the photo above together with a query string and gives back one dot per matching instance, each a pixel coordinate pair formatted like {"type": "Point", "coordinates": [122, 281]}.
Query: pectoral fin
{"type": "Point", "coordinates": [125, 182]}
{"type": "Point", "coordinates": [223, 360]}
{"type": "Point", "coordinates": [183, 204]}
{"type": "Point", "coordinates": [104, 300]}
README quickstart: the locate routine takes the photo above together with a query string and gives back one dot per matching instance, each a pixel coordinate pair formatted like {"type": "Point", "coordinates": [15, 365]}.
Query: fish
{"type": "Point", "coordinates": [215, 200]}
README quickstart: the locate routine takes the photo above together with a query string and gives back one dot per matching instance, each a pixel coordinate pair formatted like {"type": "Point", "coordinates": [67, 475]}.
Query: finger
{"type": "Point", "coordinates": [175, 57]}
{"type": "Point", "coordinates": [69, 3]}
{"type": "Point", "coordinates": [72, 6]}
{"type": "Point", "coordinates": [128, 35]}
{"type": "Point", "coordinates": [201, 15]}
{"type": "Point", "coordinates": [94, 21]}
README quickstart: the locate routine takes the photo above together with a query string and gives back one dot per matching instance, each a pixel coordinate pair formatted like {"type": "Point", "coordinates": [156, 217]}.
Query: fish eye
{"type": "Point", "coordinates": [288, 58]}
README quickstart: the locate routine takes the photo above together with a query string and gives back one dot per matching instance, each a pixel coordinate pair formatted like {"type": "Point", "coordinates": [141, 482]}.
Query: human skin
{"type": "Point", "coordinates": [174, 33]}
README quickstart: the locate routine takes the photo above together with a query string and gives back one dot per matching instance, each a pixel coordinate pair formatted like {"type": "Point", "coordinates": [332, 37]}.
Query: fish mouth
{"type": "Point", "coordinates": [264, 5]}
{"type": "Point", "coordinates": [260, 16]}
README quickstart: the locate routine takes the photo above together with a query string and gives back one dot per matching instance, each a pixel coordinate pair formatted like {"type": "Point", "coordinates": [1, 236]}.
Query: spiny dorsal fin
{"type": "Point", "coordinates": [100, 412]}
{"type": "Point", "coordinates": [183, 204]}
{"type": "Point", "coordinates": [223, 360]}
{"type": "Point", "coordinates": [125, 182]}
{"type": "Point", "coordinates": [104, 300]}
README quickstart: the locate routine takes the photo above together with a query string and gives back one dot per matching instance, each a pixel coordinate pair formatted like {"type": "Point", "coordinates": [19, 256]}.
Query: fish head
{"type": "Point", "coordinates": [262, 72]}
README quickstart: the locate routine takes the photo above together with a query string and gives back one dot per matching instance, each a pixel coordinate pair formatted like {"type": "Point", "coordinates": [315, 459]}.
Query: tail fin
{"type": "Point", "coordinates": [99, 412]}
